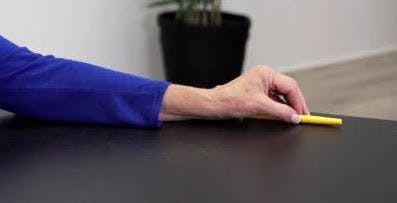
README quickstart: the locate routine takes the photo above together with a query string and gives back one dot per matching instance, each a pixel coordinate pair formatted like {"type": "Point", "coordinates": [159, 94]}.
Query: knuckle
{"type": "Point", "coordinates": [262, 70]}
{"type": "Point", "coordinates": [261, 67]}
{"type": "Point", "coordinates": [256, 69]}
{"type": "Point", "coordinates": [293, 82]}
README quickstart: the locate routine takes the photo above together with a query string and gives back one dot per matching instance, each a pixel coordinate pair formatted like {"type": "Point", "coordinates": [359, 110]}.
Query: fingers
{"type": "Point", "coordinates": [277, 97]}
{"type": "Point", "coordinates": [290, 89]}
{"type": "Point", "coordinates": [280, 110]}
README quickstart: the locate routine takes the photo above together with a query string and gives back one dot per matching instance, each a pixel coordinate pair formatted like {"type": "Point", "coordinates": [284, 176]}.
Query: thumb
{"type": "Point", "coordinates": [281, 111]}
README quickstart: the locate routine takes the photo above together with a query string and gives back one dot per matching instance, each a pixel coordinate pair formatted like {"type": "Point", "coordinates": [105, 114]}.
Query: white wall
{"type": "Point", "coordinates": [123, 35]}
{"type": "Point", "coordinates": [293, 34]}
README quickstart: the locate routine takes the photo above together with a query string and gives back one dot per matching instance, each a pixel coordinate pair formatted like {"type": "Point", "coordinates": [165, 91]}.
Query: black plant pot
{"type": "Point", "coordinates": [203, 56]}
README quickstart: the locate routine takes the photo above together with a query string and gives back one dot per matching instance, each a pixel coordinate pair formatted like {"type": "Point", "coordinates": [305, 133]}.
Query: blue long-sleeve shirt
{"type": "Point", "coordinates": [50, 88]}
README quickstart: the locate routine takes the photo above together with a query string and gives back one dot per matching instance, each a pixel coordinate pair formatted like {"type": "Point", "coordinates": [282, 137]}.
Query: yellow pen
{"type": "Point", "coordinates": [320, 120]}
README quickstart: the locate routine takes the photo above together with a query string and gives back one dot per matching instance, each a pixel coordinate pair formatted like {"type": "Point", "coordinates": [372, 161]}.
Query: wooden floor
{"type": "Point", "coordinates": [365, 87]}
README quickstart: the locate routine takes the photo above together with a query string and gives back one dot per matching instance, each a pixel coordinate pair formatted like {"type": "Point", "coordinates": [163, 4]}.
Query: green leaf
{"type": "Point", "coordinates": [163, 3]}
{"type": "Point", "coordinates": [189, 7]}
{"type": "Point", "coordinates": [186, 8]}
{"type": "Point", "coordinates": [208, 1]}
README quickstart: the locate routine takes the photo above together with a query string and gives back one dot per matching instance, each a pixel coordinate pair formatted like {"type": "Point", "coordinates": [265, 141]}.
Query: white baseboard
{"type": "Point", "coordinates": [340, 58]}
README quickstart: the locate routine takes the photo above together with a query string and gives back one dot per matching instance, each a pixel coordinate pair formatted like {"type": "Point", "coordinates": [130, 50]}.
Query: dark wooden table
{"type": "Point", "coordinates": [198, 161]}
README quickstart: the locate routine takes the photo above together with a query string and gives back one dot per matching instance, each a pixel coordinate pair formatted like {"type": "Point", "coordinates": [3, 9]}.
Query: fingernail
{"type": "Point", "coordinates": [295, 119]}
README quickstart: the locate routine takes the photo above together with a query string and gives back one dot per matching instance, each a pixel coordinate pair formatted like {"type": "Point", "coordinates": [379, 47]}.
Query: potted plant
{"type": "Point", "coordinates": [202, 46]}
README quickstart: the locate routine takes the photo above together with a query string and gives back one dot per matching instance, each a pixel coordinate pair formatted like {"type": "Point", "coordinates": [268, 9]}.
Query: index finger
{"type": "Point", "coordinates": [291, 91]}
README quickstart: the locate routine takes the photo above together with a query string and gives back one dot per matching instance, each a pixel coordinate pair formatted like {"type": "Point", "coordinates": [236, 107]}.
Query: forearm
{"type": "Point", "coordinates": [52, 88]}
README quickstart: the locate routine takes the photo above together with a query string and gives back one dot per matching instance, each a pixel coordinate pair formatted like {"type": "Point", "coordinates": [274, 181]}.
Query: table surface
{"type": "Point", "coordinates": [198, 161]}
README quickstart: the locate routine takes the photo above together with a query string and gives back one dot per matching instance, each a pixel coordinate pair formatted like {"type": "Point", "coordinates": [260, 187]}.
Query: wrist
{"type": "Point", "coordinates": [184, 102]}
{"type": "Point", "coordinates": [222, 107]}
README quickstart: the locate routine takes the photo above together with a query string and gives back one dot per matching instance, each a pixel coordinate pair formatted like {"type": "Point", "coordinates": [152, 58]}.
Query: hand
{"type": "Point", "coordinates": [262, 91]}
{"type": "Point", "coordinates": [259, 91]}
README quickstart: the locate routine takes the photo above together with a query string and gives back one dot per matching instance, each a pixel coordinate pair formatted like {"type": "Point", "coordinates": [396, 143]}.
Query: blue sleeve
{"type": "Point", "coordinates": [50, 88]}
